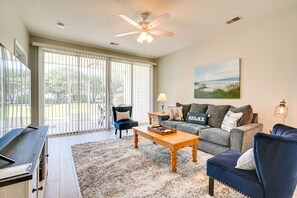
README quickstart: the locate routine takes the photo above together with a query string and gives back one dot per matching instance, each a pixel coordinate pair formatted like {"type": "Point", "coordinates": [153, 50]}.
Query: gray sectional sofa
{"type": "Point", "coordinates": [213, 139]}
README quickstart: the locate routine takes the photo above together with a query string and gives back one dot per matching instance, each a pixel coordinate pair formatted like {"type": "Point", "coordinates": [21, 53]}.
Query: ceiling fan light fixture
{"type": "Point", "coordinates": [143, 36]}
{"type": "Point", "coordinates": [145, 28]}
{"type": "Point", "coordinates": [139, 39]}
{"type": "Point", "coordinates": [149, 38]}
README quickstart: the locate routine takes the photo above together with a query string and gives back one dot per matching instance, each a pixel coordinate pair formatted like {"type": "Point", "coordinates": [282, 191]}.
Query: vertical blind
{"type": "Point", "coordinates": [80, 90]}
{"type": "Point", "coordinates": [121, 83]}
{"type": "Point", "coordinates": [75, 90]}
{"type": "Point", "coordinates": [142, 91]}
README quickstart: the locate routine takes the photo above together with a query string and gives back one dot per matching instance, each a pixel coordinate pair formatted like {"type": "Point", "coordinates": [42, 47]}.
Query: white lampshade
{"type": "Point", "coordinates": [149, 38]}
{"type": "Point", "coordinates": [143, 35]}
{"type": "Point", "coordinates": [139, 39]}
{"type": "Point", "coordinates": [162, 97]}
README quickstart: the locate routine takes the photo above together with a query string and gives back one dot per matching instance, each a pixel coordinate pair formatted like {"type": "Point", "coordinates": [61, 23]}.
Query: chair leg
{"type": "Point", "coordinates": [210, 186]}
{"type": "Point", "coordinates": [126, 131]}
{"type": "Point", "coordinates": [116, 131]}
{"type": "Point", "coordinates": [120, 133]}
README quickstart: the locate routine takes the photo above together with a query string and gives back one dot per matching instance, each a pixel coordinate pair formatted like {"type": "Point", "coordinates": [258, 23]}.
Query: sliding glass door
{"type": "Point", "coordinates": [75, 92]}
{"type": "Point", "coordinates": [121, 83]}
{"type": "Point", "coordinates": [142, 91]}
{"type": "Point", "coordinates": [80, 89]}
{"type": "Point", "coordinates": [131, 84]}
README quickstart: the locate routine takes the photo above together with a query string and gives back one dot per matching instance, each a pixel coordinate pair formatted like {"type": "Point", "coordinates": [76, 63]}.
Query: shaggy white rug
{"type": "Point", "coordinates": [114, 168]}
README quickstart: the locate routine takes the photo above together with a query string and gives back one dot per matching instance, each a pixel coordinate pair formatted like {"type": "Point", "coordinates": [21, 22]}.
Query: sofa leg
{"type": "Point", "coordinates": [210, 186]}
{"type": "Point", "coordinates": [120, 133]}
{"type": "Point", "coordinates": [126, 131]}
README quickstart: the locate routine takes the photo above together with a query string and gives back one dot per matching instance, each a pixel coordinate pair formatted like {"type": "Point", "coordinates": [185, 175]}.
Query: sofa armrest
{"type": "Point", "coordinates": [242, 137]}
{"type": "Point", "coordinates": [162, 118]}
{"type": "Point", "coordinates": [255, 118]}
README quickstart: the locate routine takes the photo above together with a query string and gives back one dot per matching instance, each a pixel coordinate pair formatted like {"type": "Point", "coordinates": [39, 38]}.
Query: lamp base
{"type": "Point", "coordinates": [163, 108]}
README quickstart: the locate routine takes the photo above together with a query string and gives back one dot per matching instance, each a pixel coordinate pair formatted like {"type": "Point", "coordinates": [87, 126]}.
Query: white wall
{"type": "Point", "coordinates": [12, 27]}
{"type": "Point", "coordinates": [268, 51]}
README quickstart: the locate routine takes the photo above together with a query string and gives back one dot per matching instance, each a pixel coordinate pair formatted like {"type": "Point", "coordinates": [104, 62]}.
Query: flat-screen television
{"type": "Point", "coordinates": [15, 97]}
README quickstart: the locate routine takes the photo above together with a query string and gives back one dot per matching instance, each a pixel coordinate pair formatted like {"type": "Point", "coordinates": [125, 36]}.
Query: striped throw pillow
{"type": "Point", "coordinates": [230, 120]}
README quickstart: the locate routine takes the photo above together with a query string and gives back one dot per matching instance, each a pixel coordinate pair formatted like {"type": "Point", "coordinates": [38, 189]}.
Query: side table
{"type": "Point", "coordinates": [154, 116]}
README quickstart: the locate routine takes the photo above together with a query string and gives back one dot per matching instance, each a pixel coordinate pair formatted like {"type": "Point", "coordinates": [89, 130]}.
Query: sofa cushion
{"type": "Point", "coordinates": [247, 114]}
{"type": "Point", "coordinates": [217, 114]}
{"type": "Point", "coordinates": [198, 118]}
{"type": "Point", "coordinates": [198, 108]}
{"type": "Point", "coordinates": [215, 135]}
{"type": "Point", "coordinates": [211, 148]}
{"type": "Point", "coordinates": [172, 124]}
{"type": "Point", "coordinates": [186, 109]}
{"type": "Point", "coordinates": [190, 128]}
{"type": "Point", "coordinates": [125, 124]}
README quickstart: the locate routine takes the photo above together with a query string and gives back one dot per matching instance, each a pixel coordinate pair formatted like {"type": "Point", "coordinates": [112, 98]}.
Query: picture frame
{"type": "Point", "coordinates": [218, 80]}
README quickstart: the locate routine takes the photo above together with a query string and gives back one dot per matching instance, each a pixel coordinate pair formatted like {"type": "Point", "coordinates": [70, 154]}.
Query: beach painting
{"type": "Point", "coordinates": [218, 80]}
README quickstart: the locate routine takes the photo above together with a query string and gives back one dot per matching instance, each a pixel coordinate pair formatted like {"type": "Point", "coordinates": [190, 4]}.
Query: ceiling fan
{"type": "Point", "coordinates": [145, 28]}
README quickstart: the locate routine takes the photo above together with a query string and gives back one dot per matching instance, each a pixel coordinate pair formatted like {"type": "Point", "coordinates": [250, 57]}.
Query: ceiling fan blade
{"type": "Point", "coordinates": [126, 34]}
{"type": "Point", "coordinates": [129, 20]}
{"type": "Point", "coordinates": [161, 33]}
{"type": "Point", "coordinates": [159, 20]}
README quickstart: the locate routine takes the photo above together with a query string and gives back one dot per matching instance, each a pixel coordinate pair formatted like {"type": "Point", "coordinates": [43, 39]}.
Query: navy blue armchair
{"type": "Point", "coordinates": [275, 174]}
{"type": "Point", "coordinates": [124, 124]}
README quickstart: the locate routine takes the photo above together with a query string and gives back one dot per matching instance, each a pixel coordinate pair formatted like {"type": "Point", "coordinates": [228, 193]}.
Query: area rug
{"type": "Point", "coordinates": [114, 168]}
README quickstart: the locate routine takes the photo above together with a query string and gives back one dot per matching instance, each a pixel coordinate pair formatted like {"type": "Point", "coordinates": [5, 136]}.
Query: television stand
{"type": "Point", "coordinates": [7, 159]}
{"type": "Point", "coordinates": [30, 147]}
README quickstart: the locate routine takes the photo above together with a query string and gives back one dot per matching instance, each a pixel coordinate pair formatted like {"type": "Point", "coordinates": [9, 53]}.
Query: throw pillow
{"type": "Point", "coordinates": [123, 115]}
{"type": "Point", "coordinates": [230, 120]}
{"type": "Point", "coordinates": [247, 114]}
{"type": "Point", "coordinates": [186, 109]}
{"type": "Point", "coordinates": [246, 160]}
{"type": "Point", "coordinates": [198, 108]}
{"type": "Point", "coordinates": [217, 114]}
{"type": "Point", "coordinates": [198, 118]}
{"type": "Point", "coordinates": [175, 113]}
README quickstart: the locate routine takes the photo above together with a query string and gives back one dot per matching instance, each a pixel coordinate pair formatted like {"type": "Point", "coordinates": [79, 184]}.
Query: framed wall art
{"type": "Point", "coordinates": [218, 80]}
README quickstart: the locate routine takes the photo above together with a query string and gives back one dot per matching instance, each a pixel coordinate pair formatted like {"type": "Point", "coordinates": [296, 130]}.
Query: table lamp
{"type": "Point", "coordinates": [161, 98]}
{"type": "Point", "coordinates": [281, 110]}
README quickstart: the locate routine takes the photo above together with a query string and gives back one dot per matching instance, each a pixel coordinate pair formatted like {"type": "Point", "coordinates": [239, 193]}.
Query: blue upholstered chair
{"type": "Point", "coordinates": [124, 124]}
{"type": "Point", "coordinates": [275, 158]}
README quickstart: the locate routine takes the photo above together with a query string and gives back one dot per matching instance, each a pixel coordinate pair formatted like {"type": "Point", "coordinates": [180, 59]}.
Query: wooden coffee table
{"type": "Point", "coordinates": [173, 142]}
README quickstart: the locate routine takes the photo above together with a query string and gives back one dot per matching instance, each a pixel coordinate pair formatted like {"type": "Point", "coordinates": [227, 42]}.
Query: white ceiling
{"type": "Point", "coordinates": [95, 22]}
